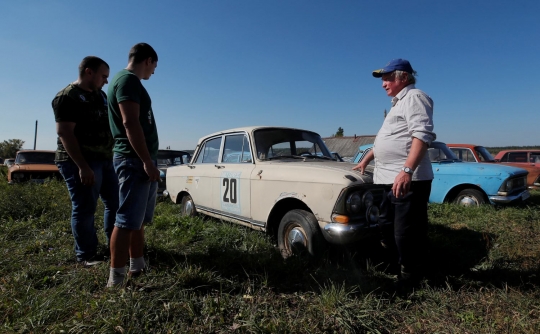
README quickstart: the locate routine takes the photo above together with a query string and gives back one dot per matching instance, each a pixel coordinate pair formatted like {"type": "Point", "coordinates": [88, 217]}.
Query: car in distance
{"type": "Point", "coordinates": [283, 181]}
{"type": "Point", "coordinates": [9, 162]}
{"type": "Point", "coordinates": [166, 159]}
{"type": "Point", "coordinates": [469, 184]}
{"type": "Point", "coordinates": [33, 165]}
{"type": "Point", "coordinates": [526, 159]}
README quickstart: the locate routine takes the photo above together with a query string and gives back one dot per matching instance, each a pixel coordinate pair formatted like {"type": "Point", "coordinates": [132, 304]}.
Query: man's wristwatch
{"type": "Point", "coordinates": [407, 170]}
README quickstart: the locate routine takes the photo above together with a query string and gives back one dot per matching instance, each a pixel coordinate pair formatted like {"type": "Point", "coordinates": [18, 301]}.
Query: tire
{"type": "Point", "coordinates": [299, 234]}
{"type": "Point", "coordinates": [187, 207]}
{"type": "Point", "coordinates": [470, 197]}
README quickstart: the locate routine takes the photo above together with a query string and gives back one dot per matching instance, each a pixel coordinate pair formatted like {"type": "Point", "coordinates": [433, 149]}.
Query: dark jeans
{"type": "Point", "coordinates": [410, 221]}
{"type": "Point", "coordinates": [84, 202]}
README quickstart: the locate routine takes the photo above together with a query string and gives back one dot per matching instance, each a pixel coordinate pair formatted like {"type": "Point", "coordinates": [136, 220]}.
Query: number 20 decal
{"type": "Point", "coordinates": [230, 190]}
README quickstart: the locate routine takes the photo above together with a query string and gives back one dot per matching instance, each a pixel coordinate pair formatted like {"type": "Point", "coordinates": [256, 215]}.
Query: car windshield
{"type": "Point", "coordinates": [484, 154]}
{"type": "Point", "coordinates": [35, 158]}
{"type": "Point", "coordinates": [440, 152]}
{"type": "Point", "coordinates": [290, 143]}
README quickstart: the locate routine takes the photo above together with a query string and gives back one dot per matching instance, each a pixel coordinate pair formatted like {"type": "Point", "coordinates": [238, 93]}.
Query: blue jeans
{"type": "Point", "coordinates": [84, 202]}
{"type": "Point", "coordinates": [137, 193]}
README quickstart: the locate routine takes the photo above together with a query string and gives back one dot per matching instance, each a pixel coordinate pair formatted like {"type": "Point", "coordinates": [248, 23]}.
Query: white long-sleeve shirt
{"type": "Point", "coordinates": [411, 116]}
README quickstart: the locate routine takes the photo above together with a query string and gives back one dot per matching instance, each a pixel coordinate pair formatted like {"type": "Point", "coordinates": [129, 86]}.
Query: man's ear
{"type": "Point", "coordinates": [88, 71]}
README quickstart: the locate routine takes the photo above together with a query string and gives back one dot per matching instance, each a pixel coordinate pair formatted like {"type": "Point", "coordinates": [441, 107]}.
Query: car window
{"type": "Point", "coordinates": [439, 151]}
{"type": "Point", "coordinates": [210, 151]}
{"type": "Point", "coordinates": [517, 157]}
{"type": "Point", "coordinates": [35, 158]}
{"type": "Point", "coordinates": [236, 149]}
{"type": "Point", "coordinates": [535, 158]}
{"type": "Point", "coordinates": [484, 154]}
{"type": "Point", "coordinates": [286, 142]}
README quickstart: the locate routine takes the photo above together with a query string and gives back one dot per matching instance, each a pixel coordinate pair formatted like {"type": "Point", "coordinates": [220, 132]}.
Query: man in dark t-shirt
{"type": "Point", "coordinates": [135, 151]}
{"type": "Point", "coordinates": [84, 155]}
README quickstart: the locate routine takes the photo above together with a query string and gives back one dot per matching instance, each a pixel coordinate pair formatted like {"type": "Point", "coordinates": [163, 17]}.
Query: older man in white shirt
{"type": "Point", "coordinates": [402, 165]}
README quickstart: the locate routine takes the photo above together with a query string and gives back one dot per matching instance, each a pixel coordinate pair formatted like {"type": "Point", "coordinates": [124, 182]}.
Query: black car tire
{"type": "Point", "coordinates": [304, 226]}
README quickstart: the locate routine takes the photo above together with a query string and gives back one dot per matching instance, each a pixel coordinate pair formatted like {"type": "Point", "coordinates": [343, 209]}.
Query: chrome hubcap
{"type": "Point", "coordinates": [468, 201]}
{"type": "Point", "coordinates": [296, 237]}
{"type": "Point", "coordinates": [188, 208]}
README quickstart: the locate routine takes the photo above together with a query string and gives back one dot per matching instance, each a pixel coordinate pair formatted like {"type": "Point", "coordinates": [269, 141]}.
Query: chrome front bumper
{"type": "Point", "coordinates": [522, 196]}
{"type": "Point", "coordinates": [342, 234]}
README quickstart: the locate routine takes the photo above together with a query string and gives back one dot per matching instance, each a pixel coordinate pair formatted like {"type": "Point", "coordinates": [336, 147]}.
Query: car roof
{"type": "Point", "coordinates": [463, 145]}
{"type": "Point", "coordinates": [37, 151]}
{"type": "Point", "coordinates": [248, 129]}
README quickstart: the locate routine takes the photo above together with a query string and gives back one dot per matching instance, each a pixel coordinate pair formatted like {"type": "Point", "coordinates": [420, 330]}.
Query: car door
{"type": "Point", "coordinates": [203, 170]}
{"type": "Point", "coordinates": [231, 181]}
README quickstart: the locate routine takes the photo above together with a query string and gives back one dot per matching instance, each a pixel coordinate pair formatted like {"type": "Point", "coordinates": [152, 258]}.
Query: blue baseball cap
{"type": "Point", "coordinates": [394, 65]}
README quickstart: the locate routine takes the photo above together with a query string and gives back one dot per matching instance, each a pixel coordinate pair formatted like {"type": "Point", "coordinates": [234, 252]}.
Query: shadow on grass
{"type": "Point", "coordinates": [454, 258]}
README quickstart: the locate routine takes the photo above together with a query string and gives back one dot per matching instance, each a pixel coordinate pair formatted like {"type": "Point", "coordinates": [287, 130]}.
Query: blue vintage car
{"type": "Point", "coordinates": [468, 183]}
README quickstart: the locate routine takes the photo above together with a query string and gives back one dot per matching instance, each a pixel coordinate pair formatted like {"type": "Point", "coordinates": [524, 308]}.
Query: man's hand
{"type": "Point", "coordinates": [87, 176]}
{"type": "Point", "coordinates": [361, 166]}
{"type": "Point", "coordinates": [402, 184]}
{"type": "Point", "coordinates": [152, 171]}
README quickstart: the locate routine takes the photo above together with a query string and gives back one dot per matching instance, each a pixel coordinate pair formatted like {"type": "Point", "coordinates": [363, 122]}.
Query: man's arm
{"type": "Point", "coordinates": [362, 164]}
{"type": "Point", "coordinates": [402, 182]}
{"type": "Point", "coordinates": [66, 133]}
{"type": "Point", "coordinates": [130, 118]}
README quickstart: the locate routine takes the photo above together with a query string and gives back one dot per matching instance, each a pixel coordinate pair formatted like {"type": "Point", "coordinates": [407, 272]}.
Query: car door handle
{"type": "Point", "coordinates": [218, 166]}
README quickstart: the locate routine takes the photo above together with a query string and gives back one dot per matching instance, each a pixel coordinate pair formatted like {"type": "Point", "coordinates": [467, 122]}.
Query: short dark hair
{"type": "Point", "coordinates": [91, 62]}
{"type": "Point", "coordinates": [142, 51]}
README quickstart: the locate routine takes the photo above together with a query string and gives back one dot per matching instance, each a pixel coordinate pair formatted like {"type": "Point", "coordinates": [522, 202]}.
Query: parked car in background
{"type": "Point", "coordinates": [9, 162]}
{"type": "Point", "coordinates": [280, 180]}
{"type": "Point", "coordinates": [526, 159]}
{"type": "Point", "coordinates": [469, 183]}
{"type": "Point", "coordinates": [33, 165]}
{"type": "Point", "coordinates": [166, 159]}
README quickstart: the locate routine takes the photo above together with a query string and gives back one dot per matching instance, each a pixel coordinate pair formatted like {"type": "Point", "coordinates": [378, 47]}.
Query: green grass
{"type": "Point", "coordinates": [209, 276]}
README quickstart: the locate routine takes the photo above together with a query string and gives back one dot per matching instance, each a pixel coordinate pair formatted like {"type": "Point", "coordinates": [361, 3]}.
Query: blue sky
{"type": "Point", "coordinates": [298, 63]}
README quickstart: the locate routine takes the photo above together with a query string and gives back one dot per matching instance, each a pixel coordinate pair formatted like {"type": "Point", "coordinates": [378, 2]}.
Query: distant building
{"type": "Point", "coordinates": [347, 146]}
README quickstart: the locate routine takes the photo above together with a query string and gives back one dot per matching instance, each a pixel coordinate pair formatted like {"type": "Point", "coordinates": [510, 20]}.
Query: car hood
{"type": "Point", "coordinates": [325, 171]}
{"type": "Point", "coordinates": [474, 168]}
{"type": "Point", "coordinates": [34, 167]}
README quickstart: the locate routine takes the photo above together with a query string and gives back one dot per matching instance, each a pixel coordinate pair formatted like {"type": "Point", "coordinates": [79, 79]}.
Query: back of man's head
{"type": "Point", "coordinates": [91, 62]}
{"type": "Point", "coordinates": [140, 52]}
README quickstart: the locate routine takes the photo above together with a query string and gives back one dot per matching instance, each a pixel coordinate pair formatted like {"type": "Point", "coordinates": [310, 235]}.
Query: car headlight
{"type": "Point", "coordinates": [514, 183]}
{"type": "Point", "coordinates": [372, 214]}
{"type": "Point", "coordinates": [354, 203]}
{"type": "Point", "coordinates": [367, 199]}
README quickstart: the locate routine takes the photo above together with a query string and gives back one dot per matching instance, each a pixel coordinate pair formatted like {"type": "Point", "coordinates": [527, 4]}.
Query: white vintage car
{"type": "Point", "coordinates": [280, 180]}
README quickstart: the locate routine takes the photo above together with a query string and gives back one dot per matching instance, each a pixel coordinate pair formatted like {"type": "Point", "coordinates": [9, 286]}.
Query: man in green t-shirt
{"type": "Point", "coordinates": [135, 151]}
{"type": "Point", "coordinates": [84, 155]}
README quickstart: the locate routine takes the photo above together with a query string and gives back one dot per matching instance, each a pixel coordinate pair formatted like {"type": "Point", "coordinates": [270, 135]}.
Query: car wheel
{"type": "Point", "coordinates": [187, 207]}
{"type": "Point", "coordinates": [299, 233]}
{"type": "Point", "coordinates": [470, 197]}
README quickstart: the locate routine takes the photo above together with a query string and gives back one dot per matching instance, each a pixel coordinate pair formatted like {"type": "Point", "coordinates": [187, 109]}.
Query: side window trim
{"type": "Point", "coordinates": [245, 135]}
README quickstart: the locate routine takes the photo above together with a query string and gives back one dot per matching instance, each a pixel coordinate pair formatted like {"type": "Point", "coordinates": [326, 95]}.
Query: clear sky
{"type": "Point", "coordinates": [298, 63]}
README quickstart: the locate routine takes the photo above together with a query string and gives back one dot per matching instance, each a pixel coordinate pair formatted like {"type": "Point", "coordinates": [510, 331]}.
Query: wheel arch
{"type": "Point", "coordinates": [180, 195]}
{"type": "Point", "coordinates": [457, 189]}
{"type": "Point", "coordinates": [279, 210]}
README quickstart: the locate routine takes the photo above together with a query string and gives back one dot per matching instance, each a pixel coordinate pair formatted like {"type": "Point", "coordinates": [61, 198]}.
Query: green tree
{"type": "Point", "coordinates": [9, 147]}
{"type": "Point", "coordinates": [339, 132]}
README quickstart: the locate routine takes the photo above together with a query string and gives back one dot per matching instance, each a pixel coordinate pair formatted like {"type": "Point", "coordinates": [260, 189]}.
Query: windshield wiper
{"type": "Point", "coordinates": [285, 157]}
{"type": "Point", "coordinates": [317, 157]}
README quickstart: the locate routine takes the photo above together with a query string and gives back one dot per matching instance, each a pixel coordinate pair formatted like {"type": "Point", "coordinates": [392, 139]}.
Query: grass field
{"type": "Point", "coordinates": [209, 276]}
